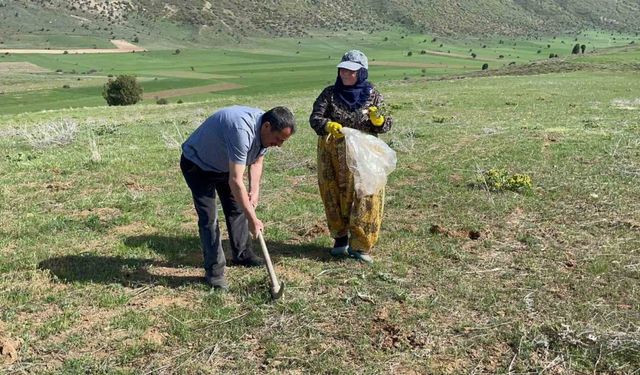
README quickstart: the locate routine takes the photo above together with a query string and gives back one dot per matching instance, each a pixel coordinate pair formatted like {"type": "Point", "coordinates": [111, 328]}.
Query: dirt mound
{"type": "Point", "coordinates": [8, 350]}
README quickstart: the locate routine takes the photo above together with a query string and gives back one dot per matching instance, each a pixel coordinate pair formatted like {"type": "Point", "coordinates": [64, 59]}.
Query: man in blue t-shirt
{"type": "Point", "coordinates": [213, 161]}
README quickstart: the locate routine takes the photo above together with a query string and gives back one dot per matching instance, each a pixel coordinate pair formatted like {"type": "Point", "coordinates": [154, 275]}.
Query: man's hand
{"type": "Point", "coordinates": [335, 129]}
{"type": "Point", "coordinates": [376, 118]}
{"type": "Point", "coordinates": [255, 226]}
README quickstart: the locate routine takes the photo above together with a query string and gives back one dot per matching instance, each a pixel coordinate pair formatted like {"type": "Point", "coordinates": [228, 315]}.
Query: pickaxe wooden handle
{"type": "Point", "coordinates": [276, 287]}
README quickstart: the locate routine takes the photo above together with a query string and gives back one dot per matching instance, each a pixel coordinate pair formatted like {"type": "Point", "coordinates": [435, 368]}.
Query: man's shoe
{"type": "Point", "coordinates": [360, 256]}
{"type": "Point", "coordinates": [217, 282]}
{"type": "Point", "coordinates": [250, 261]}
{"type": "Point", "coordinates": [340, 247]}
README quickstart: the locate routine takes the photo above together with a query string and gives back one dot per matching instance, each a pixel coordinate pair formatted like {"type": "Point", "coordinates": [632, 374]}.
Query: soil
{"type": "Point", "coordinates": [122, 46]}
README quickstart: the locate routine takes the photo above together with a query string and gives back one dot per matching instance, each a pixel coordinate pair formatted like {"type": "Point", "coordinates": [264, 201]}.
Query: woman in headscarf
{"type": "Point", "coordinates": [354, 222]}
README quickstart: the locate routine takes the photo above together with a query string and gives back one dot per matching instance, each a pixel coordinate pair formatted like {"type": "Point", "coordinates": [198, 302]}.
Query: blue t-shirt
{"type": "Point", "coordinates": [232, 134]}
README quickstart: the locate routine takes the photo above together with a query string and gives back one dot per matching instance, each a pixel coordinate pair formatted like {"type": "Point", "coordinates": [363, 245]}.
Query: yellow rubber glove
{"type": "Point", "coordinates": [334, 128]}
{"type": "Point", "coordinates": [375, 117]}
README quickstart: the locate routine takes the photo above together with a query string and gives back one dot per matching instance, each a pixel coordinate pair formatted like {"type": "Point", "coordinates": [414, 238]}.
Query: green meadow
{"type": "Point", "coordinates": [100, 266]}
{"type": "Point", "coordinates": [266, 66]}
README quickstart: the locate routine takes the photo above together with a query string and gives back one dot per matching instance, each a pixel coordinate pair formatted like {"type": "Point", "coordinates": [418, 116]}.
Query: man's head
{"type": "Point", "coordinates": [278, 125]}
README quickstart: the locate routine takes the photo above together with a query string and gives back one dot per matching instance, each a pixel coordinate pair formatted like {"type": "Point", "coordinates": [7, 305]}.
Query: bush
{"type": "Point", "coordinates": [66, 86]}
{"type": "Point", "coordinates": [51, 134]}
{"type": "Point", "coordinates": [485, 66]}
{"type": "Point", "coordinates": [409, 53]}
{"type": "Point", "coordinates": [162, 101]}
{"type": "Point", "coordinates": [124, 90]}
{"type": "Point", "coordinates": [576, 49]}
{"type": "Point", "coordinates": [179, 101]}
{"type": "Point", "coordinates": [496, 179]}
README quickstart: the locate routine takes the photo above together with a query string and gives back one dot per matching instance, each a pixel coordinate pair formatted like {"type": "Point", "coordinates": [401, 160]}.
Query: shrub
{"type": "Point", "coordinates": [576, 49]}
{"type": "Point", "coordinates": [162, 101]}
{"type": "Point", "coordinates": [409, 53]}
{"type": "Point", "coordinates": [124, 90]}
{"type": "Point", "coordinates": [473, 54]}
{"type": "Point", "coordinates": [499, 180]}
{"type": "Point", "coordinates": [179, 101]}
{"type": "Point", "coordinates": [485, 66]}
{"type": "Point", "coordinates": [51, 134]}
{"type": "Point", "coordinates": [66, 86]}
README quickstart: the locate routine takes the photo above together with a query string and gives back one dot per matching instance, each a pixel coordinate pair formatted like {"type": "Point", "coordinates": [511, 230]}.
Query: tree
{"type": "Point", "coordinates": [576, 49]}
{"type": "Point", "coordinates": [124, 90]}
{"type": "Point", "coordinates": [582, 48]}
{"type": "Point", "coordinates": [485, 66]}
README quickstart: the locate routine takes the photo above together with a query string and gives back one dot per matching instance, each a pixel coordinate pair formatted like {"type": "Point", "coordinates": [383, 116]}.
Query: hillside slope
{"type": "Point", "coordinates": [202, 21]}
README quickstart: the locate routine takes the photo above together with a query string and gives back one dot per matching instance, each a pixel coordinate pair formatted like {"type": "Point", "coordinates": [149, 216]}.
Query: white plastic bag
{"type": "Point", "coordinates": [369, 159]}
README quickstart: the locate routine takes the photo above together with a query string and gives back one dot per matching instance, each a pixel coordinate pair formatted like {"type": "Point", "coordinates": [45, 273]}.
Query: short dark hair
{"type": "Point", "coordinates": [280, 118]}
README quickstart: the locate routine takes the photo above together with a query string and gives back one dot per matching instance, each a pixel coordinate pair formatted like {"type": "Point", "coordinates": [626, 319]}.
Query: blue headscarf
{"type": "Point", "coordinates": [356, 96]}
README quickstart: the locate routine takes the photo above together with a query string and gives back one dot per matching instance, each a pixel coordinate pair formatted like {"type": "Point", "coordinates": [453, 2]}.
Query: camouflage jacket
{"type": "Point", "coordinates": [327, 108]}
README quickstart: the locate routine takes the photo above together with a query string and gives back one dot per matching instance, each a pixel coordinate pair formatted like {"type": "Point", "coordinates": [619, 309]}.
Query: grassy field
{"type": "Point", "coordinates": [100, 264]}
{"type": "Point", "coordinates": [75, 81]}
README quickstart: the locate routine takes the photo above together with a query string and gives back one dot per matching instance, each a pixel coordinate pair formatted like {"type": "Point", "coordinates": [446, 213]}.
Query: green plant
{"type": "Point", "coordinates": [576, 49]}
{"type": "Point", "coordinates": [124, 90]}
{"type": "Point", "coordinates": [496, 179]}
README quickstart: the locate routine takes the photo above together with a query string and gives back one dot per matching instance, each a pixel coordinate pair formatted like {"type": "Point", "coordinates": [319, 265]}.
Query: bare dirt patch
{"type": "Point", "coordinates": [175, 272]}
{"type": "Point", "coordinates": [122, 46]}
{"type": "Point", "coordinates": [103, 213]}
{"type": "Point", "coordinates": [192, 90]}
{"type": "Point", "coordinates": [135, 228]}
{"type": "Point", "coordinates": [165, 301]}
{"type": "Point", "coordinates": [316, 230]}
{"type": "Point", "coordinates": [8, 350]}
{"type": "Point", "coordinates": [155, 337]}
{"type": "Point", "coordinates": [21, 67]}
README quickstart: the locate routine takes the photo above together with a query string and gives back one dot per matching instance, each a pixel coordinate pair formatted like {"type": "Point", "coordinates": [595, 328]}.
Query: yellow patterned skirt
{"type": "Point", "coordinates": [346, 213]}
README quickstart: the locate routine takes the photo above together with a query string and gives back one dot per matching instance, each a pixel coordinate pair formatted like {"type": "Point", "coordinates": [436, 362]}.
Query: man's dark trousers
{"type": "Point", "coordinates": [204, 185]}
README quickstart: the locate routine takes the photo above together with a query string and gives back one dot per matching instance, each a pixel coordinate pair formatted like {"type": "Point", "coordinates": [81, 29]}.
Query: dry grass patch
{"type": "Point", "coordinates": [20, 67]}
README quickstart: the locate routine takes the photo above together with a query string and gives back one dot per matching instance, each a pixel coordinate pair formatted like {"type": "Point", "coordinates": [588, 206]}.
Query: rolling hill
{"type": "Point", "coordinates": [198, 22]}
